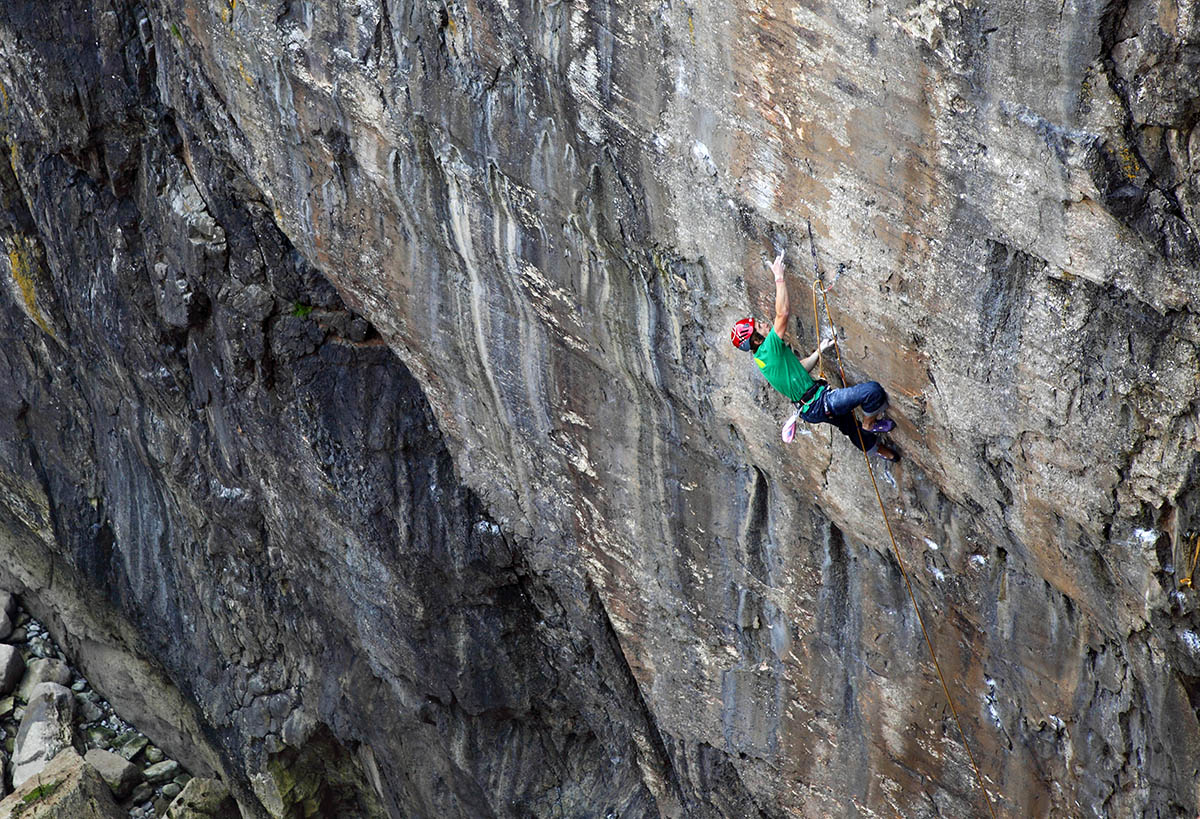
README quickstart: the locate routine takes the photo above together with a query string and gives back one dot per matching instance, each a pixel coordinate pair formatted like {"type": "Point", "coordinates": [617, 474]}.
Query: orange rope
{"type": "Point", "coordinates": [1186, 582]}
{"type": "Point", "coordinates": [896, 551]}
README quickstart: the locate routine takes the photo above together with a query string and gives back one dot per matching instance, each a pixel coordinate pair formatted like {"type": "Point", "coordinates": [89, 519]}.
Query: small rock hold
{"type": "Point", "coordinates": [100, 736]}
{"type": "Point", "coordinates": [120, 774]}
{"type": "Point", "coordinates": [87, 710]}
{"type": "Point", "coordinates": [203, 798]}
{"type": "Point", "coordinates": [163, 771]}
{"type": "Point", "coordinates": [171, 790]}
{"type": "Point", "coordinates": [130, 745]}
{"type": "Point", "coordinates": [12, 668]}
{"type": "Point", "coordinates": [298, 727]}
{"type": "Point", "coordinates": [42, 671]}
{"type": "Point", "coordinates": [359, 330]}
{"type": "Point", "coordinates": [142, 793]}
{"type": "Point", "coordinates": [154, 755]}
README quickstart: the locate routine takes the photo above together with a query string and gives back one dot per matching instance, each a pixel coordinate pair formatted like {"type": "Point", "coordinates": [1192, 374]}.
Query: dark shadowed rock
{"type": "Point", "coordinates": [12, 668]}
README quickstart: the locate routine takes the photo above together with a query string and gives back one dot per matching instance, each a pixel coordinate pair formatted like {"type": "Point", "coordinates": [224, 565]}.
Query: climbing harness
{"type": "Point", "coordinates": [1186, 582]}
{"type": "Point", "coordinates": [895, 548]}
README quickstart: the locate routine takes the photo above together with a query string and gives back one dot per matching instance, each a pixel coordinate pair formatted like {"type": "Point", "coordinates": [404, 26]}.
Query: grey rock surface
{"type": "Point", "coordinates": [12, 668]}
{"type": "Point", "coordinates": [43, 670]}
{"type": "Point", "coordinates": [142, 793]}
{"type": "Point", "coordinates": [203, 799]}
{"type": "Point", "coordinates": [369, 366]}
{"type": "Point", "coordinates": [161, 772]}
{"type": "Point", "coordinates": [120, 774]}
{"type": "Point", "coordinates": [130, 746]}
{"type": "Point", "coordinates": [45, 730]}
{"type": "Point", "coordinates": [66, 787]}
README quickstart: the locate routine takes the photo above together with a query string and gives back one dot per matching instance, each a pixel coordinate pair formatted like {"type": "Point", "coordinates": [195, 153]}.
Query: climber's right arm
{"type": "Point", "coordinates": [782, 305]}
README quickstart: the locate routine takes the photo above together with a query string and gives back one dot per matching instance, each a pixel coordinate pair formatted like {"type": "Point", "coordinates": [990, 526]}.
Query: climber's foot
{"type": "Point", "coordinates": [887, 453]}
{"type": "Point", "coordinates": [881, 425]}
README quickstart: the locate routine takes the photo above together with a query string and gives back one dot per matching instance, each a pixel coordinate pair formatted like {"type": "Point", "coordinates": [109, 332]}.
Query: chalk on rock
{"type": "Point", "coordinates": [45, 730]}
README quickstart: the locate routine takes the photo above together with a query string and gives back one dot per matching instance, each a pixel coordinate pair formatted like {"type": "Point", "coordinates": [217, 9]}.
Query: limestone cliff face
{"type": "Point", "coordinates": [234, 228]}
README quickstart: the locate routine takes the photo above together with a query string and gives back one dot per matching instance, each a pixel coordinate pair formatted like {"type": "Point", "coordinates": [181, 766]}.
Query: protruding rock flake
{"type": "Point", "coordinates": [487, 527]}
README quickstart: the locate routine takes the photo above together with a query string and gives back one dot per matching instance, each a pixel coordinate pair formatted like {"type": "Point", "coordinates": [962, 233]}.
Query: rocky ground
{"type": "Point", "coordinates": [52, 724]}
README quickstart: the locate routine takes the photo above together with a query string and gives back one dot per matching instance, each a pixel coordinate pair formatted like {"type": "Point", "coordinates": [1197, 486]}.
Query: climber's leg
{"type": "Point", "coordinates": [846, 425]}
{"type": "Point", "coordinates": [870, 395]}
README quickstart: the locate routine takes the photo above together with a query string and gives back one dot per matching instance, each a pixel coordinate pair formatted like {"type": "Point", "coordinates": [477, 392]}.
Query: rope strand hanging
{"type": "Point", "coordinates": [1186, 582]}
{"type": "Point", "coordinates": [883, 511]}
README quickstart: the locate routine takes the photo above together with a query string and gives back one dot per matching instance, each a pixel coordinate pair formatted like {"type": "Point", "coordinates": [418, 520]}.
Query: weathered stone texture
{"type": "Point", "coordinates": [225, 220]}
{"type": "Point", "coordinates": [66, 787]}
{"type": "Point", "coordinates": [46, 730]}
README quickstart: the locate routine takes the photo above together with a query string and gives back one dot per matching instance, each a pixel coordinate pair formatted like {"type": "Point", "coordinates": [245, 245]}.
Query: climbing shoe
{"type": "Point", "coordinates": [883, 425]}
{"type": "Point", "coordinates": [886, 454]}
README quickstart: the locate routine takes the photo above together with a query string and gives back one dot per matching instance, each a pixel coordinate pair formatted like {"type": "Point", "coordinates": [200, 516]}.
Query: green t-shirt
{"type": "Point", "coordinates": [782, 368]}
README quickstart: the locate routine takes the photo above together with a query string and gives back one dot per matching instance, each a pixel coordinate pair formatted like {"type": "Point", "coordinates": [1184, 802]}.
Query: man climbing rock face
{"type": "Point", "coordinates": [815, 402]}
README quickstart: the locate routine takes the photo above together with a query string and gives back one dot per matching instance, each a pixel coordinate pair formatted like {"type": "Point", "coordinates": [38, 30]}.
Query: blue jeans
{"type": "Point", "coordinates": [836, 407]}
{"type": "Point", "coordinates": [869, 395]}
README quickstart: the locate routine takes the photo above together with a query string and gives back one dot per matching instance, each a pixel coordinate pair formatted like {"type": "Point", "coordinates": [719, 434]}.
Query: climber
{"type": "Point", "coordinates": [815, 402]}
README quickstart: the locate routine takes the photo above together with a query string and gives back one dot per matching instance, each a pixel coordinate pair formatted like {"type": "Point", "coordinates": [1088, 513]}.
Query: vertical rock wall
{"type": "Point", "coordinates": [551, 212]}
{"type": "Point", "coordinates": [229, 500]}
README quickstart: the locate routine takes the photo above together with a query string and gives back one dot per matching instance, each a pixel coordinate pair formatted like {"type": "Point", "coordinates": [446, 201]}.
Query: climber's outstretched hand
{"type": "Point", "coordinates": [777, 266]}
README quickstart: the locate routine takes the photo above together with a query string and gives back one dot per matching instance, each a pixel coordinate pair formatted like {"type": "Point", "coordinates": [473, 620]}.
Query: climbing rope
{"type": "Point", "coordinates": [1186, 582]}
{"type": "Point", "coordinates": [895, 548]}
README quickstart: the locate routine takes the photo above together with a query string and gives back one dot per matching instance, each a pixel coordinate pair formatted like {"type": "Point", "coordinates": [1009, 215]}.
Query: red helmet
{"type": "Point", "coordinates": [741, 333]}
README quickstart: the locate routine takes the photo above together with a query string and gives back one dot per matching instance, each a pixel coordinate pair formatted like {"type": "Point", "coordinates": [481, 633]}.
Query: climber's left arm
{"type": "Point", "coordinates": [811, 360]}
